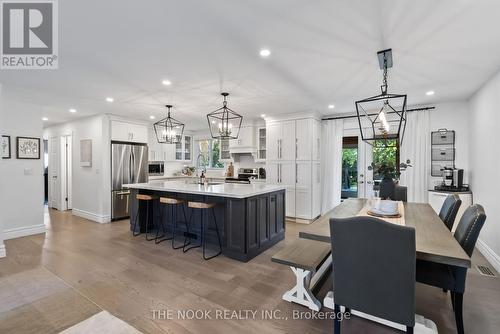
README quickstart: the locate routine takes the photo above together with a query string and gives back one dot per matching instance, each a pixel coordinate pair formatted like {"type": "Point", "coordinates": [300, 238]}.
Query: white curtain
{"type": "Point", "coordinates": [416, 147]}
{"type": "Point", "coordinates": [331, 163]}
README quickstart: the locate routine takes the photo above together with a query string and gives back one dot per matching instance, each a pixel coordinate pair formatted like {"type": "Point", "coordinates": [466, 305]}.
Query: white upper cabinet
{"type": "Point", "coordinates": [159, 151]}
{"type": "Point", "coordinates": [316, 137]}
{"type": "Point", "coordinates": [183, 151]}
{"type": "Point", "coordinates": [129, 132]}
{"type": "Point", "coordinates": [304, 139]}
{"type": "Point", "coordinates": [245, 140]}
{"type": "Point", "coordinates": [281, 141]}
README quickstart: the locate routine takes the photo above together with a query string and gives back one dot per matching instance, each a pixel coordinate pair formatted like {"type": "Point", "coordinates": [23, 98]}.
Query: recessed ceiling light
{"type": "Point", "coordinates": [110, 99]}
{"type": "Point", "coordinates": [166, 82]}
{"type": "Point", "coordinates": [73, 110]}
{"type": "Point", "coordinates": [265, 53]}
{"type": "Point", "coordinates": [331, 106]}
{"type": "Point", "coordinates": [430, 93]}
{"type": "Point", "coordinates": [45, 119]}
{"type": "Point", "coordinates": [152, 117]}
{"type": "Point", "coordinates": [262, 115]}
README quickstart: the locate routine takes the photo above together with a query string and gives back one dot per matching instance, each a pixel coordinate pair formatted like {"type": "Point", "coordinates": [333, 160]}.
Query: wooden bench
{"type": "Point", "coordinates": [309, 260]}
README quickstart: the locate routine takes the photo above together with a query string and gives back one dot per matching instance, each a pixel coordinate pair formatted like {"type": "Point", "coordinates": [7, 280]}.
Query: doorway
{"type": "Point", "coordinates": [60, 176]}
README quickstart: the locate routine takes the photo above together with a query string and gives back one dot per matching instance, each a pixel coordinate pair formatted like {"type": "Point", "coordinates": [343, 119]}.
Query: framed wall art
{"type": "Point", "coordinates": [5, 147]}
{"type": "Point", "coordinates": [28, 148]}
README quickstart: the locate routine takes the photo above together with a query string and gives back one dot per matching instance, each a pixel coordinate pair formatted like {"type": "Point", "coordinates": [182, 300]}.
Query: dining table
{"type": "Point", "coordinates": [433, 242]}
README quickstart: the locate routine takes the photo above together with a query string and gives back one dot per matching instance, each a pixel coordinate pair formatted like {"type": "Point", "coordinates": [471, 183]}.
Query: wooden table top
{"type": "Point", "coordinates": [433, 240]}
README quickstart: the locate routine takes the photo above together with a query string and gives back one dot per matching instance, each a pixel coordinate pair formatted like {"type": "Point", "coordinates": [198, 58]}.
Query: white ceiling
{"type": "Point", "coordinates": [323, 52]}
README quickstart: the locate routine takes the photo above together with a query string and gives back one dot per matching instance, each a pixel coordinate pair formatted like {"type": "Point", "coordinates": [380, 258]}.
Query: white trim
{"type": "Point", "coordinates": [489, 254]}
{"type": "Point", "coordinates": [102, 219]}
{"type": "Point", "coordinates": [23, 231]}
{"type": "Point", "coordinates": [3, 251]}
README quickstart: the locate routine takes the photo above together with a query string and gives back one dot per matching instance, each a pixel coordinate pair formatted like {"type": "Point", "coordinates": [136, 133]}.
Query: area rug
{"type": "Point", "coordinates": [102, 322]}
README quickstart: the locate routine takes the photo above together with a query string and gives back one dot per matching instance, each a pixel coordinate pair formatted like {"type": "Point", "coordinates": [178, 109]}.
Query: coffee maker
{"type": "Point", "coordinates": [453, 180]}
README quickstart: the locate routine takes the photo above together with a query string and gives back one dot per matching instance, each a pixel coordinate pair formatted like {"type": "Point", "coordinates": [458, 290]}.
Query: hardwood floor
{"type": "Point", "coordinates": [78, 268]}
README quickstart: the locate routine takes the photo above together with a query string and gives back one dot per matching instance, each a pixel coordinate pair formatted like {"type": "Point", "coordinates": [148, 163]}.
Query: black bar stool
{"type": "Point", "coordinates": [148, 199]}
{"type": "Point", "coordinates": [172, 202]}
{"type": "Point", "coordinates": [203, 206]}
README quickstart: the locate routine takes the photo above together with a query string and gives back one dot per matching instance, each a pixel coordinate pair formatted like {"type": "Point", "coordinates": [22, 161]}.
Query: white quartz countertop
{"type": "Point", "coordinates": [233, 190]}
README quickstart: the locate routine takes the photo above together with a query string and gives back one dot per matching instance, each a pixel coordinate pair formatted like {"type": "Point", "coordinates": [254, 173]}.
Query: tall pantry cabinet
{"type": "Point", "coordinates": [293, 160]}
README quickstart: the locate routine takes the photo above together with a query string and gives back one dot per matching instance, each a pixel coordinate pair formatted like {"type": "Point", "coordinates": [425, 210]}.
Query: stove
{"type": "Point", "coordinates": [244, 176]}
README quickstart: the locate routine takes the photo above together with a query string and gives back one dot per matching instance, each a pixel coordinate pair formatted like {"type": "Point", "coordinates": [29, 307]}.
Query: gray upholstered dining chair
{"type": "Point", "coordinates": [401, 193]}
{"type": "Point", "coordinates": [374, 269]}
{"type": "Point", "coordinates": [450, 277]}
{"type": "Point", "coordinates": [449, 210]}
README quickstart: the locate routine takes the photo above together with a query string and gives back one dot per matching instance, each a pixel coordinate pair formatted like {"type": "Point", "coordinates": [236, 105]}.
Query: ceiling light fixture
{"type": "Point", "coordinates": [388, 125]}
{"type": "Point", "coordinates": [152, 117]}
{"type": "Point", "coordinates": [331, 106]}
{"type": "Point", "coordinates": [72, 110]}
{"type": "Point", "coordinates": [45, 119]}
{"type": "Point", "coordinates": [263, 115]}
{"type": "Point", "coordinates": [430, 93]}
{"type": "Point", "coordinates": [169, 130]}
{"type": "Point", "coordinates": [109, 99]}
{"type": "Point", "coordinates": [166, 82]}
{"type": "Point", "coordinates": [265, 53]}
{"type": "Point", "coordinates": [224, 123]}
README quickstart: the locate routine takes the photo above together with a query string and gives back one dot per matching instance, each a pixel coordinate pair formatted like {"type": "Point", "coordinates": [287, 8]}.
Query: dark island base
{"type": "Point", "coordinates": [247, 226]}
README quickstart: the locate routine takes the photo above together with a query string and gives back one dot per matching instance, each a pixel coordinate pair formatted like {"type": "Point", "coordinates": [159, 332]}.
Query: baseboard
{"type": "Point", "coordinates": [24, 231]}
{"type": "Point", "coordinates": [3, 252]}
{"type": "Point", "coordinates": [489, 254]}
{"type": "Point", "coordinates": [102, 219]}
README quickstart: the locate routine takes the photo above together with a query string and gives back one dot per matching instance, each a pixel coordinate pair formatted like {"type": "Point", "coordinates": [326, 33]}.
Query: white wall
{"type": "Point", "coordinates": [91, 186]}
{"type": "Point", "coordinates": [454, 116]}
{"type": "Point", "coordinates": [484, 160]}
{"type": "Point", "coordinates": [21, 181]}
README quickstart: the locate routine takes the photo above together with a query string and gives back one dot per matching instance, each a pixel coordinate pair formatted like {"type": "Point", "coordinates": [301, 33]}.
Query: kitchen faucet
{"type": "Point", "coordinates": [198, 164]}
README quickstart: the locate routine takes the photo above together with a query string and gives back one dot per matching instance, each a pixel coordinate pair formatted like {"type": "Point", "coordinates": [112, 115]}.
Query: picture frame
{"type": "Point", "coordinates": [5, 147]}
{"type": "Point", "coordinates": [28, 148]}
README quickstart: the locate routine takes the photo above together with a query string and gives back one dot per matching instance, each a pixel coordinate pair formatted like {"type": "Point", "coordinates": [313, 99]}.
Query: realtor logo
{"type": "Point", "coordinates": [29, 34]}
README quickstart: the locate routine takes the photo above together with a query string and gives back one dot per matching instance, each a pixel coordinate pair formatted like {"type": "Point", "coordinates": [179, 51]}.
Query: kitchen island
{"type": "Point", "coordinates": [250, 217]}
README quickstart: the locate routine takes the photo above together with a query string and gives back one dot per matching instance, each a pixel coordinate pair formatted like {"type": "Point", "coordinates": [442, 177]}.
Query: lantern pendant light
{"type": "Point", "coordinates": [169, 130]}
{"type": "Point", "coordinates": [224, 123]}
{"type": "Point", "coordinates": [388, 123]}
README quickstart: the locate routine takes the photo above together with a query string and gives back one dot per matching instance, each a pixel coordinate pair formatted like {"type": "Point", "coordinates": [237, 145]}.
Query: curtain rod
{"type": "Point", "coordinates": [355, 116]}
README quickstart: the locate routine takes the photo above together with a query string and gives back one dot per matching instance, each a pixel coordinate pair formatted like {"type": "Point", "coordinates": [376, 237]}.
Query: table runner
{"type": "Point", "coordinates": [398, 221]}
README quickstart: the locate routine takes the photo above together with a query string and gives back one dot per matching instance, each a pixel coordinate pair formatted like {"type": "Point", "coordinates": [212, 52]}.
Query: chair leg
{"type": "Point", "coordinates": [175, 228]}
{"type": "Point", "coordinates": [135, 234]}
{"type": "Point", "coordinates": [161, 238]}
{"type": "Point", "coordinates": [336, 321]}
{"type": "Point", "coordinates": [458, 312]}
{"type": "Point", "coordinates": [184, 249]}
{"type": "Point", "coordinates": [452, 296]}
{"type": "Point", "coordinates": [218, 239]}
{"type": "Point", "coordinates": [147, 223]}
{"type": "Point", "coordinates": [409, 329]}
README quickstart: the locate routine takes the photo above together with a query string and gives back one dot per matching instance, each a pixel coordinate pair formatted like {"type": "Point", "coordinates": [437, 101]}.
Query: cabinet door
{"type": "Point", "coordinates": [188, 148]}
{"type": "Point", "coordinates": [179, 153]}
{"type": "Point", "coordinates": [290, 202]}
{"type": "Point", "coordinates": [120, 131]}
{"type": "Point", "coordinates": [273, 134]}
{"type": "Point", "coordinates": [304, 174]}
{"type": "Point", "coordinates": [304, 139]}
{"type": "Point", "coordinates": [245, 138]}
{"type": "Point", "coordinates": [272, 172]}
{"type": "Point", "coordinates": [303, 203]}
{"type": "Point", "coordinates": [287, 173]}
{"type": "Point", "coordinates": [288, 143]}
{"type": "Point", "coordinates": [316, 189]}
{"type": "Point", "coordinates": [261, 143]}
{"type": "Point", "coordinates": [139, 133]}
{"type": "Point", "coordinates": [316, 140]}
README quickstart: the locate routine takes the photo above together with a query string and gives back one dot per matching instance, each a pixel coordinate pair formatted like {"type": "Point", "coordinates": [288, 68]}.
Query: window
{"type": "Point", "coordinates": [349, 167]}
{"type": "Point", "coordinates": [210, 149]}
{"type": "Point", "coordinates": [387, 156]}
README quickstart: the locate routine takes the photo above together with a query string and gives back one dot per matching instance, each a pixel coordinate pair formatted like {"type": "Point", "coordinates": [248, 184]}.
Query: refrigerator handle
{"type": "Point", "coordinates": [133, 166]}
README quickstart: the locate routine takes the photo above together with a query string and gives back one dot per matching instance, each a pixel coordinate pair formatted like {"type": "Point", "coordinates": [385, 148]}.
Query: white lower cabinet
{"type": "Point", "coordinates": [437, 198]}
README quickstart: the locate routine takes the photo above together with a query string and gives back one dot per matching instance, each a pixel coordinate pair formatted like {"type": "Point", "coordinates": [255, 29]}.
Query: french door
{"type": "Point", "coordinates": [357, 178]}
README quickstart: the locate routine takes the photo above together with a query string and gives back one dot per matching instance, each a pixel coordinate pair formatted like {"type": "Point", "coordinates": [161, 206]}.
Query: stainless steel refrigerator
{"type": "Point", "coordinates": [129, 164]}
